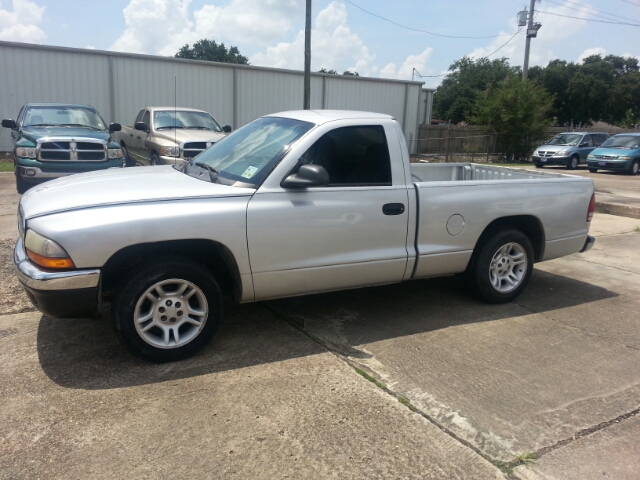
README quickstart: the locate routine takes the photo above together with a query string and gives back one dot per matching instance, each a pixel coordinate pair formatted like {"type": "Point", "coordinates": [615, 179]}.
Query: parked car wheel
{"type": "Point", "coordinates": [154, 160]}
{"type": "Point", "coordinates": [573, 162]}
{"type": "Point", "coordinates": [593, 170]}
{"type": "Point", "coordinates": [502, 267]}
{"type": "Point", "coordinates": [635, 166]}
{"type": "Point", "coordinates": [167, 310]}
{"type": "Point", "coordinates": [128, 161]}
{"type": "Point", "coordinates": [21, 185]}
{"type": "Point", "coordinates": [539, 165]}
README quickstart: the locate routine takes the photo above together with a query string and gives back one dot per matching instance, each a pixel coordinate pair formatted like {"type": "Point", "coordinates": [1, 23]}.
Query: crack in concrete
{"type": "Point", "coordinates": [604, 265]}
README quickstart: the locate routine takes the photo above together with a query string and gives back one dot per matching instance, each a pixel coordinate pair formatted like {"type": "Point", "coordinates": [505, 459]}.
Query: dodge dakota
{"type": "Point", "coordinates": [290, 204]}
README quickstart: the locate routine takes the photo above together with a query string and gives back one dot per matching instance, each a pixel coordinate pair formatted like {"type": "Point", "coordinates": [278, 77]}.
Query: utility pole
{"type": "Point", "coordinates": [307, 58]}
{"type": "Point", "coordinates": [532, 32]}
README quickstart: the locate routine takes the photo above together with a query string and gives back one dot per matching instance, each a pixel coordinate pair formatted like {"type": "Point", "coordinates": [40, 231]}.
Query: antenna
{"type": "Point", "coordinates": [175, 110]}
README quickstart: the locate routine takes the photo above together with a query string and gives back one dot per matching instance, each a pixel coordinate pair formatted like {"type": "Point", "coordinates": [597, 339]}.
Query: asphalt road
{"type": "Point", "coordinates": [417, 380]}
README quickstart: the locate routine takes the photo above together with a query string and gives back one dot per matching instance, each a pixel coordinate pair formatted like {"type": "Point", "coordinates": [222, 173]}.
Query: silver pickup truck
{"type": "Point", "coordinates": [168, 135]}
{"type": "Point", "coordinates": [291, 204]}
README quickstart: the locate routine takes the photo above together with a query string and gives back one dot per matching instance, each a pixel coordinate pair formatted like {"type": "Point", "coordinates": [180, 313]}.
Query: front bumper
{"type": "Point", "coordinates": [619, 165]}
{"type": "Point", "coordinates": [550, 160]}
{"type": "Point", "coordinates": [71, 293]}
{"type": "Point", "coordinates": [34, 171]}
{"type": "Point", "coordinates": [171, 160]}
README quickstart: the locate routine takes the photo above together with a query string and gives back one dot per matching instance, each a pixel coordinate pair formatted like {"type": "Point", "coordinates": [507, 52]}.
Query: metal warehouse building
{"type": "Point", "coordinates": [119, 84]}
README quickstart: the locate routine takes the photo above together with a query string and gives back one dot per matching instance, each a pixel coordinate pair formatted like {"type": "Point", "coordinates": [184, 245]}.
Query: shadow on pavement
{"type": "Point", "coordinates": [85, 354]}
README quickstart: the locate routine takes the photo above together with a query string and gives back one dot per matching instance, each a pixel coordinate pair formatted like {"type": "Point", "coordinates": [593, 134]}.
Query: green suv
{"type": "Point", "coordinates": [52, 140]}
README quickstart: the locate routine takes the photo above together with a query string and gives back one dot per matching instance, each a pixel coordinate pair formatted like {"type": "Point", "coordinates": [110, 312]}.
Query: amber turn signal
{"type": "Point", "coordinates": [50, 262]}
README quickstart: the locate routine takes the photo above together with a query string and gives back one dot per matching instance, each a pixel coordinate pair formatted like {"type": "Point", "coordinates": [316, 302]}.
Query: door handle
{"type": "Point", "coordinates": [138, 138]}
{"type": "Point", "coordinates": [393, 209]}
{"type": "Point", "coordinates": [131, 134]}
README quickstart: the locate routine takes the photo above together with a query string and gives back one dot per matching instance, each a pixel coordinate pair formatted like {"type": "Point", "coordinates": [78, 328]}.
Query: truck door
{"type": "Point", "coordinates": [586, 147]}
{"type": "Point", "coordinates": [350, 233]}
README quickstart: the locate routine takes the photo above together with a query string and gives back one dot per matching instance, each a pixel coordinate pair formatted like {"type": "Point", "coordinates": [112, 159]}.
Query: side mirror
{"type": "Point", "coordinates": [115, 127]}
{"type": "Point", "coordinates": [8, 123]}
{"type": "Point", "coordinates": [307, 176]}
{"type": "Point", "coordinates": [141, 126]}
{"type": "Point", "coordinates": [227, 129]}
{"type": "Point", "coordinates": [584, 144]}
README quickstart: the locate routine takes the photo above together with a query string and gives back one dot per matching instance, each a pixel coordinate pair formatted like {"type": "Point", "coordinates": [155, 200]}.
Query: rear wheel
{"type": "Point", "coordinates": [593, 170]}
{"type": "Point", "coordinates": [502, 267]}
{"type": "Point", "coordinates": [635, 166]}
{"type": "Point", "coordinates": [168, 310]}
{"type": "Point", "coordinates": [573, 162]}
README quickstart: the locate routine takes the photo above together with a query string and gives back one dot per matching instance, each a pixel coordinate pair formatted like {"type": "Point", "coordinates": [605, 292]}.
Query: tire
{"type": "Point", "coordinates": [167, 310]}
{"type": "Point", "coordinates": [154, 160]}
{"type": "Point", "coordinates": [635, 166]}
{"type": "Point", "coordinates": [502, 267]}
{"type": "Point", "coordinates": [128, 161]}
{"type": "Point", "coordinates": [593, 170]}
{"type": "Point", "coordinates": [574, 161]}
{"type": "Point", "coordinates": [539, 165]}
{"type": "Point", "coordinates": [21, 185]}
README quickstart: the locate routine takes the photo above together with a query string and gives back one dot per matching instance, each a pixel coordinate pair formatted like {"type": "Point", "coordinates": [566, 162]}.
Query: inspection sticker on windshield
{"type": "Point", "coordinates": [248, 173]}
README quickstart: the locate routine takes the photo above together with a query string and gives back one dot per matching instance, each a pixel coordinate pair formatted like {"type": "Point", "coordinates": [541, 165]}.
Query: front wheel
{"type": "Point", "coordinates": [168, 310]}
{"type": "Point", "coordinates": [154, 160]}
{"type": "Point", "coordinates": [128, 161]}
{"type": "Point", "coordinates": [573, 162]}
{"type": "Point", "coordinates": [635, 166]}
{"type": "Point", "coordinates": [539, 165]}
{"type": "Point", "coordinates": [593, 170]}
{"type": "Point", "coordinates": [21, 185]}
{"type": "Point", "coordinates": [502, 267]}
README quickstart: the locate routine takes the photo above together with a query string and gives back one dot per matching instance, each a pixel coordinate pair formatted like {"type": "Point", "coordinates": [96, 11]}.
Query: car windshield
{"type": "Point", "coordinates": [623, 141]}
{"type": "Point", "coordinates": [249, 154]}
{"type": "Point", "coordinates": [565, 139]}
{"type": "Point", "coordinates": [166, 119]}
{"type": "Point", "coordinates": [61, 116]}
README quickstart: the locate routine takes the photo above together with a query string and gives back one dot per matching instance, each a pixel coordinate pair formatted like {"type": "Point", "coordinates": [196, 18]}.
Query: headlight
{"type": "Point", "coordinates": [625, 158]}
{"type": "Point", "coordinates": [115, 153]}
{"type": "Point", "coordinates": [562, 153]}
{"type": "Point", "coordinates": [170, 151]}
{"type": "Point", "coordinates": [26, 152]}
{"type": "Point", "coordinates": [590, 157]}
{"type": "Point", "coordinates": [45, 252]}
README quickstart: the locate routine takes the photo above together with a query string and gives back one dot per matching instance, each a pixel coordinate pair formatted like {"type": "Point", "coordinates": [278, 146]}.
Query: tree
{"type": "Point", "coordinates": [518, 111]}
{"type": "Point", "coordinates": [454, 99]}
{"type": "Point", "coordinates": [211, 51]}
{"type": "Point", "coordinates": [333, 72]}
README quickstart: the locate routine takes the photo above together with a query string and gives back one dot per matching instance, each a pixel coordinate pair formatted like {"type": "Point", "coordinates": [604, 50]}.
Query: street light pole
{"type": "Point", "coordinates": [307, 58]}
{"type": "Point", "coordinates": [530, 34]}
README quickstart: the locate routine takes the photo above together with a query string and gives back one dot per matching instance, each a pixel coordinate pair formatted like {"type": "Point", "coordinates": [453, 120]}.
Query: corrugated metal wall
{"type": "Point", "coordinates": [118, 85]}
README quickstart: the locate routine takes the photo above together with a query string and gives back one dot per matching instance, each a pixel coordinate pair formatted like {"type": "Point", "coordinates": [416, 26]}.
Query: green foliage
{"type": "Point", "coordinates": [330, 72]}
{"type": "Point", "coordinates": [455, 98]}
{"type": "Point", "coordinates": [517, 110]}
{"type": "Point", "coordinates": [333, 72]}
{"type": "Point", "coordinates": [211, 51]}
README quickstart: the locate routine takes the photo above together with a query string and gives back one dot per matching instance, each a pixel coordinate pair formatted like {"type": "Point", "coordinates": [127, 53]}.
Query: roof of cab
{"type": "Point", "coordinates": [323, 116]}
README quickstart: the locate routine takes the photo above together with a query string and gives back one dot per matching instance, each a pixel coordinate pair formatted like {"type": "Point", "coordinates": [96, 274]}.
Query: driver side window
{"type": "Point", "coordinates": [352, 156]}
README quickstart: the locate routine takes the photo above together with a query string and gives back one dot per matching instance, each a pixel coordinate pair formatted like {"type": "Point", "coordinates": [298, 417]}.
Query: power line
{"type": "Point", "coordinates": [417, 29]}
{"type": "Point", "coordinates": [588, 19]}
{"type": "Point", "coordinates": [631, 3]}
{"type": "Point", "coordinates": [589, 13]}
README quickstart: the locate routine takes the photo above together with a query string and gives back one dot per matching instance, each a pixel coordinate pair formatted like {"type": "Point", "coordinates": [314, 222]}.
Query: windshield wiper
{"type": "Point", "coordinates": [169, 126]}
{"type": "Point", "coordinates": [198, 127]}
{"type": "Point", "coordinates": [78, 125]}
{"type": "Point", "coordinates": [213, 173]}
{"type": "Point", "coordinates": [42, 125]}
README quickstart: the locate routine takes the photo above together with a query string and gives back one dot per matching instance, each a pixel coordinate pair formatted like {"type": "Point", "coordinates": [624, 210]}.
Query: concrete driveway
{"type": "Point", "coordinates": [417, 380]}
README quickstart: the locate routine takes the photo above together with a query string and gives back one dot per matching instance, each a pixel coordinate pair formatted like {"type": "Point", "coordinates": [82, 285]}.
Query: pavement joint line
{"type": "Point", "coordinates": [603, 265]}
{"type": "Point", "coordinates": [363, 371]}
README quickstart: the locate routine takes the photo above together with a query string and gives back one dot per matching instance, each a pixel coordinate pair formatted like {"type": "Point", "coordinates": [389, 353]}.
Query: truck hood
{"type": "Point", "coordinates": [35, 133]}
{"type": "Point", "coordinates": [120, 186]}
{"type": "Point", "coordinates": [615, 152]}
{"type": "Point", "coordinates": [182, 135]}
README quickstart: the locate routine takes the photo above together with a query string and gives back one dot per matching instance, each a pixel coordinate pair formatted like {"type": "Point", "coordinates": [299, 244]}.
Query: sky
{"type": "Point", "coordinates": [410, 39]}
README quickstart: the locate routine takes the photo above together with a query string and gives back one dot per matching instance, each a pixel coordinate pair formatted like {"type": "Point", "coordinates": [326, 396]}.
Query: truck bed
{"type": "Point", "coordinates": [449, 172]}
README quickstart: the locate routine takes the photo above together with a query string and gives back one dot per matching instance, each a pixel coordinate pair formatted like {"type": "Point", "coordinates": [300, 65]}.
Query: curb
{"type": "Point", "coordinates": [618, 209]}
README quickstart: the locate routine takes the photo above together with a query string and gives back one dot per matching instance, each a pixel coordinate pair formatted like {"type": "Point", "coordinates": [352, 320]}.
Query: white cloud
{"type": "Point", "coordinates": [21, 23]}
{"type": "Point", "coordinates": [554, 30]}
{"type": "Point", "coordinates": [163, 26]}
{"type": "Point", "coordinates": [405, 72]}
{"type": "Point", "coordinates": [333, 46]}
{"type": "Point", "coordinates": [591, 51]}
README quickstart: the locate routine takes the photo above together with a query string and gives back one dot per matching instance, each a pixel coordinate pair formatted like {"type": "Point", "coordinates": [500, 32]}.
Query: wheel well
{"type": "Point", "coordinates": [214, 256]}
{"type": "Point", "coordinates": [527, 224]}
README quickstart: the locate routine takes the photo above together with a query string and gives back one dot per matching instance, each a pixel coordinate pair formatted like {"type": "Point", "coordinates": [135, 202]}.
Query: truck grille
{"type": "Point", "coordinates": [605, 157]}
{"type": "Point", "coordinates": [191, 149]}
{"type": "Point", "coordinates": [546, 153]}
{"type": "Point", "coordinates": [66, 150]}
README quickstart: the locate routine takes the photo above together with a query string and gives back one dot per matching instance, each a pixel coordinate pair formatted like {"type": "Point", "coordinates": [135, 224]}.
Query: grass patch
{"type": "Point", "coordinates": [404, 401]}
{"type": "Point", "coordinates": [637, 229]}
{"type": "Point", "coordinates": [526, 458]}
{"type": "Point", "coordinates": [6, 166]}
{"type": "Point", "coordinates": [371, 379]}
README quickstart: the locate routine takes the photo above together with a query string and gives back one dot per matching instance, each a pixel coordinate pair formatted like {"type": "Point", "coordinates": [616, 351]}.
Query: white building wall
{"type": "Point", "coordinates": [119, 85]}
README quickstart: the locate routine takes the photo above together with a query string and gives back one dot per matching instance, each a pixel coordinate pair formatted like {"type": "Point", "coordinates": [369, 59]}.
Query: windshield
{"type": "Point", "coordinates": [166, 119]}
{"type": "Point", "coordinates": [565, 139]}
{"type": "Point", "coordinates": [623, 141]}
{"type": "Point", "coordinates": [249, 154]}
{"type": "Point", "coordinates": [54, 116]}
